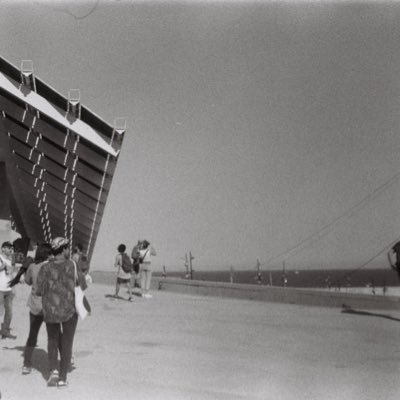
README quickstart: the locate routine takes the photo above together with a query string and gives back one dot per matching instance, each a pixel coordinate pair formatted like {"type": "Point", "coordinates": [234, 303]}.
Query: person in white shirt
{"type": "Point", "coordinates": [6, 292]}
{"type": "Point", "coordinates": [145, 253]}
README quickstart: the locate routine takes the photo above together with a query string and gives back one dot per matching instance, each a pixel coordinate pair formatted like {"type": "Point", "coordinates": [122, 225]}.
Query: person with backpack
{"type": "Point", "coordinates": [124, 271]}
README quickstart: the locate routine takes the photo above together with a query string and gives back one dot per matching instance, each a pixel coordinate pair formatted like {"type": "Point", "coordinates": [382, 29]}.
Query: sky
{"type": "Point", "coordinates": [255, 130]}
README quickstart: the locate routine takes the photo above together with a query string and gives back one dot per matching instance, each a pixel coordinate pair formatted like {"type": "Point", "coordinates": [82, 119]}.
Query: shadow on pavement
{"type": "Point", "coordinates": [39, 359]}
{"type": "Point", "coordinates": [113, 297]}
{"type": "Point", "coordinates": [349, 310]}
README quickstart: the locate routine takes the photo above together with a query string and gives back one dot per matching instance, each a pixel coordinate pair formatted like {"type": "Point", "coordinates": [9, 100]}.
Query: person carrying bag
{"type": "Point", "coordinates": [56, 284]}
{"type": "Point", "coordinates": [82, 305]}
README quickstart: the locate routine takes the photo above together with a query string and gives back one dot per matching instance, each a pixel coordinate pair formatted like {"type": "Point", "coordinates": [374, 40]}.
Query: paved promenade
{"type": "Point", "coordinates": [184, 347]}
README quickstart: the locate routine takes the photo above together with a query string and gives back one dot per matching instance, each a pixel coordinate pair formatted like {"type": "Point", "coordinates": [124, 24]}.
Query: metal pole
{"type": "Point", "coordinates": [186, 266]}
{"type": "Point", "coordinates": [190, 264]}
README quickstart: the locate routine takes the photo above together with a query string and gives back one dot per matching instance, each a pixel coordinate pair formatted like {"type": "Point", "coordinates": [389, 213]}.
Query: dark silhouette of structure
{"type": "Point", "coordinates": [57, 159]}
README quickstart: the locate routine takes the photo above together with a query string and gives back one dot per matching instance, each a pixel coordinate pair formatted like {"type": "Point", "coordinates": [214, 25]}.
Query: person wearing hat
{"type": "Point", "coordinates": [6, 292]}
{"type": "Point", "coordinates": [55, 283]}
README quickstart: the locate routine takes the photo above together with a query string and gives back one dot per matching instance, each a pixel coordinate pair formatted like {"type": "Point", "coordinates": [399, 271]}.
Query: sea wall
{"type": "Point", "coordinates": [278, 294]}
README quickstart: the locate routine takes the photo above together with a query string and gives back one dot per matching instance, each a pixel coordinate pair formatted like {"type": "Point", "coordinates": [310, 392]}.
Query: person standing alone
{"type": "Point", "coordinates": [6, 292]}
{"type": "Point", "coordinates": [124, 274]}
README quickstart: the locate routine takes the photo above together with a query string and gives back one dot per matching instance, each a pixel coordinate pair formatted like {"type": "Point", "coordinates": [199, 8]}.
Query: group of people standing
{"type": "Point", "coordinates": [53, 275]}
{"type": "Point", "coordinates": [136, 270]}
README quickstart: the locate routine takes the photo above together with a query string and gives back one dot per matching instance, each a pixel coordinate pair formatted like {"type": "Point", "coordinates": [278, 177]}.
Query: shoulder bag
{"type": "Point", "coordinates": [79, 298]}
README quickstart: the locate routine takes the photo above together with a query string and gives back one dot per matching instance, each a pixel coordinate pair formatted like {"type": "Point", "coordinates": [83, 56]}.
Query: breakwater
{"type": "Point", "coordinates": [347, 301]}
{"type": "Point", "coordinates": [311, 297]}
{"type": "Point", "coordinates": [335, 279]}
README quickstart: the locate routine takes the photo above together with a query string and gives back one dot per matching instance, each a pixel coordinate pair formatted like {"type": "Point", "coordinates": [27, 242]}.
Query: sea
{"type": "Point", "coordinates": [329, 279]}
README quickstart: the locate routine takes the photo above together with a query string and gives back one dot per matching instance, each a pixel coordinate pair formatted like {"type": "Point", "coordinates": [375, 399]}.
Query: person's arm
{"type": "Point", "coordinates": [27, 262]}
{"type": "Point", "coordinates": [153, 251]}
{"type": "Point", "coordinates": [28, 275]}
{"type": "Point", "coordinates": [2, 265]}
{"type": "Point", "coordinates": [117, 261]}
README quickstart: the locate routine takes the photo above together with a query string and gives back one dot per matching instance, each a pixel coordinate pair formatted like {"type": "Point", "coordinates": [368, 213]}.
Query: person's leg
{"type": "Point", "coordinates": [148, 281]}
{"type": "Point", "coordinates": [143, 281]}
{"type": "Point", "coordinates": [1, 304]}
{"type": "Point", "coordinates": [137, 278]}
{"type": "Point", "coordinates": [35, 324]}
{"type": "Point", "coordinates": [53, 337]}
{"type": "Point", "coordinates": [117, 286]}
{"type": "Point", "coordinates": [133, 277]}
{"type": "Point", "coordinates": [129, 284]}
{"type": "Point", "coordinates": [67, 340]}
{"type": "Point", "coordinates": [5, 327]}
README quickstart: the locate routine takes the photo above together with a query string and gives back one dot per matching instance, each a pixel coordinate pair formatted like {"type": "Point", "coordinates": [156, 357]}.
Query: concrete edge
{"type": "Point", "coordinates": [277, 294]}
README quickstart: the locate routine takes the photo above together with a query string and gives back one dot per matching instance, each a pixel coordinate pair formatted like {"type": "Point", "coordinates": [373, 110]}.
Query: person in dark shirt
{"type": "Point", "coordinates": [35, 304]}
{"type": "Point", "coordinates": [26, 262]}
{"type": "Point", "coordinates": [81, 260]}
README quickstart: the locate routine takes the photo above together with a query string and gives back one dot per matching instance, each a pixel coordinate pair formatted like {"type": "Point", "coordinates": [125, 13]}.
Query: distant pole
{"type": "Point", "coordinates": [186, 266]}
{"type": "Point", "coordinates": [284, 278]}
{"type": "Point", "coordinates": [270, 278]}
{"type": "Point", "coordinates": [231, 274]}
{"type": "Point", "coordinates": [164, 273]}
{"type": "Point", "coordinates": [258, 275]}
{"type": "Point", "coordinates": [190, 264]}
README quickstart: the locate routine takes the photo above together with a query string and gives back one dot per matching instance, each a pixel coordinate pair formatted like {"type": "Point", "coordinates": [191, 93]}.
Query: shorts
{"type": "Point", "coordinates": [122, 280]}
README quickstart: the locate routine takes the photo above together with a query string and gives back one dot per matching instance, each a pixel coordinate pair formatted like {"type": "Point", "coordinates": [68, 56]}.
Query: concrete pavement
{"type": "Point", "coordinates": [179, 347]}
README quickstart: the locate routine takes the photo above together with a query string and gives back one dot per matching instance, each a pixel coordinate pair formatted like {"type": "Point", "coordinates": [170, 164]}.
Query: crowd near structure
{"type": "Point", "coordinates": [57, 160]}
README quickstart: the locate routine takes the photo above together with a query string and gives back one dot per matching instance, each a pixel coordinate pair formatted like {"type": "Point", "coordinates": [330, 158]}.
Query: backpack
{"type": "Point", "coordinates": [126, 263]}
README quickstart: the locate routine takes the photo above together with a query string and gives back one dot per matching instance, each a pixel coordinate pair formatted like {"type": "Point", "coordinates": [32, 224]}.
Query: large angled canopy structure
{"type": "Point", "coordinates": [57, 159]}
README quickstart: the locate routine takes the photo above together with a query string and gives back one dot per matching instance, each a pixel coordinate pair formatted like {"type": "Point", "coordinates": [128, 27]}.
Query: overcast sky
{"type": "Point", "coordinates": [256, 129]}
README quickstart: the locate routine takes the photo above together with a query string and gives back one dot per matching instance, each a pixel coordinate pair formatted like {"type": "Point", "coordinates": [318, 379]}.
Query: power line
{"type": "Point", "coordinates": [345, 275]}
{"type": "Point", "coordinates": [325, 230]}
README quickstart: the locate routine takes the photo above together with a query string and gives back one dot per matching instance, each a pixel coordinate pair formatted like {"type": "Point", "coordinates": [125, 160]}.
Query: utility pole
{"type": "Point", "coordinates": [284, 277]}
{"type": "Point", "coordinates": [186, 266]}
{"type": "Point", "coordinates": [190, 264]}
{"type": "Point", "coordinates": [258, 276]}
